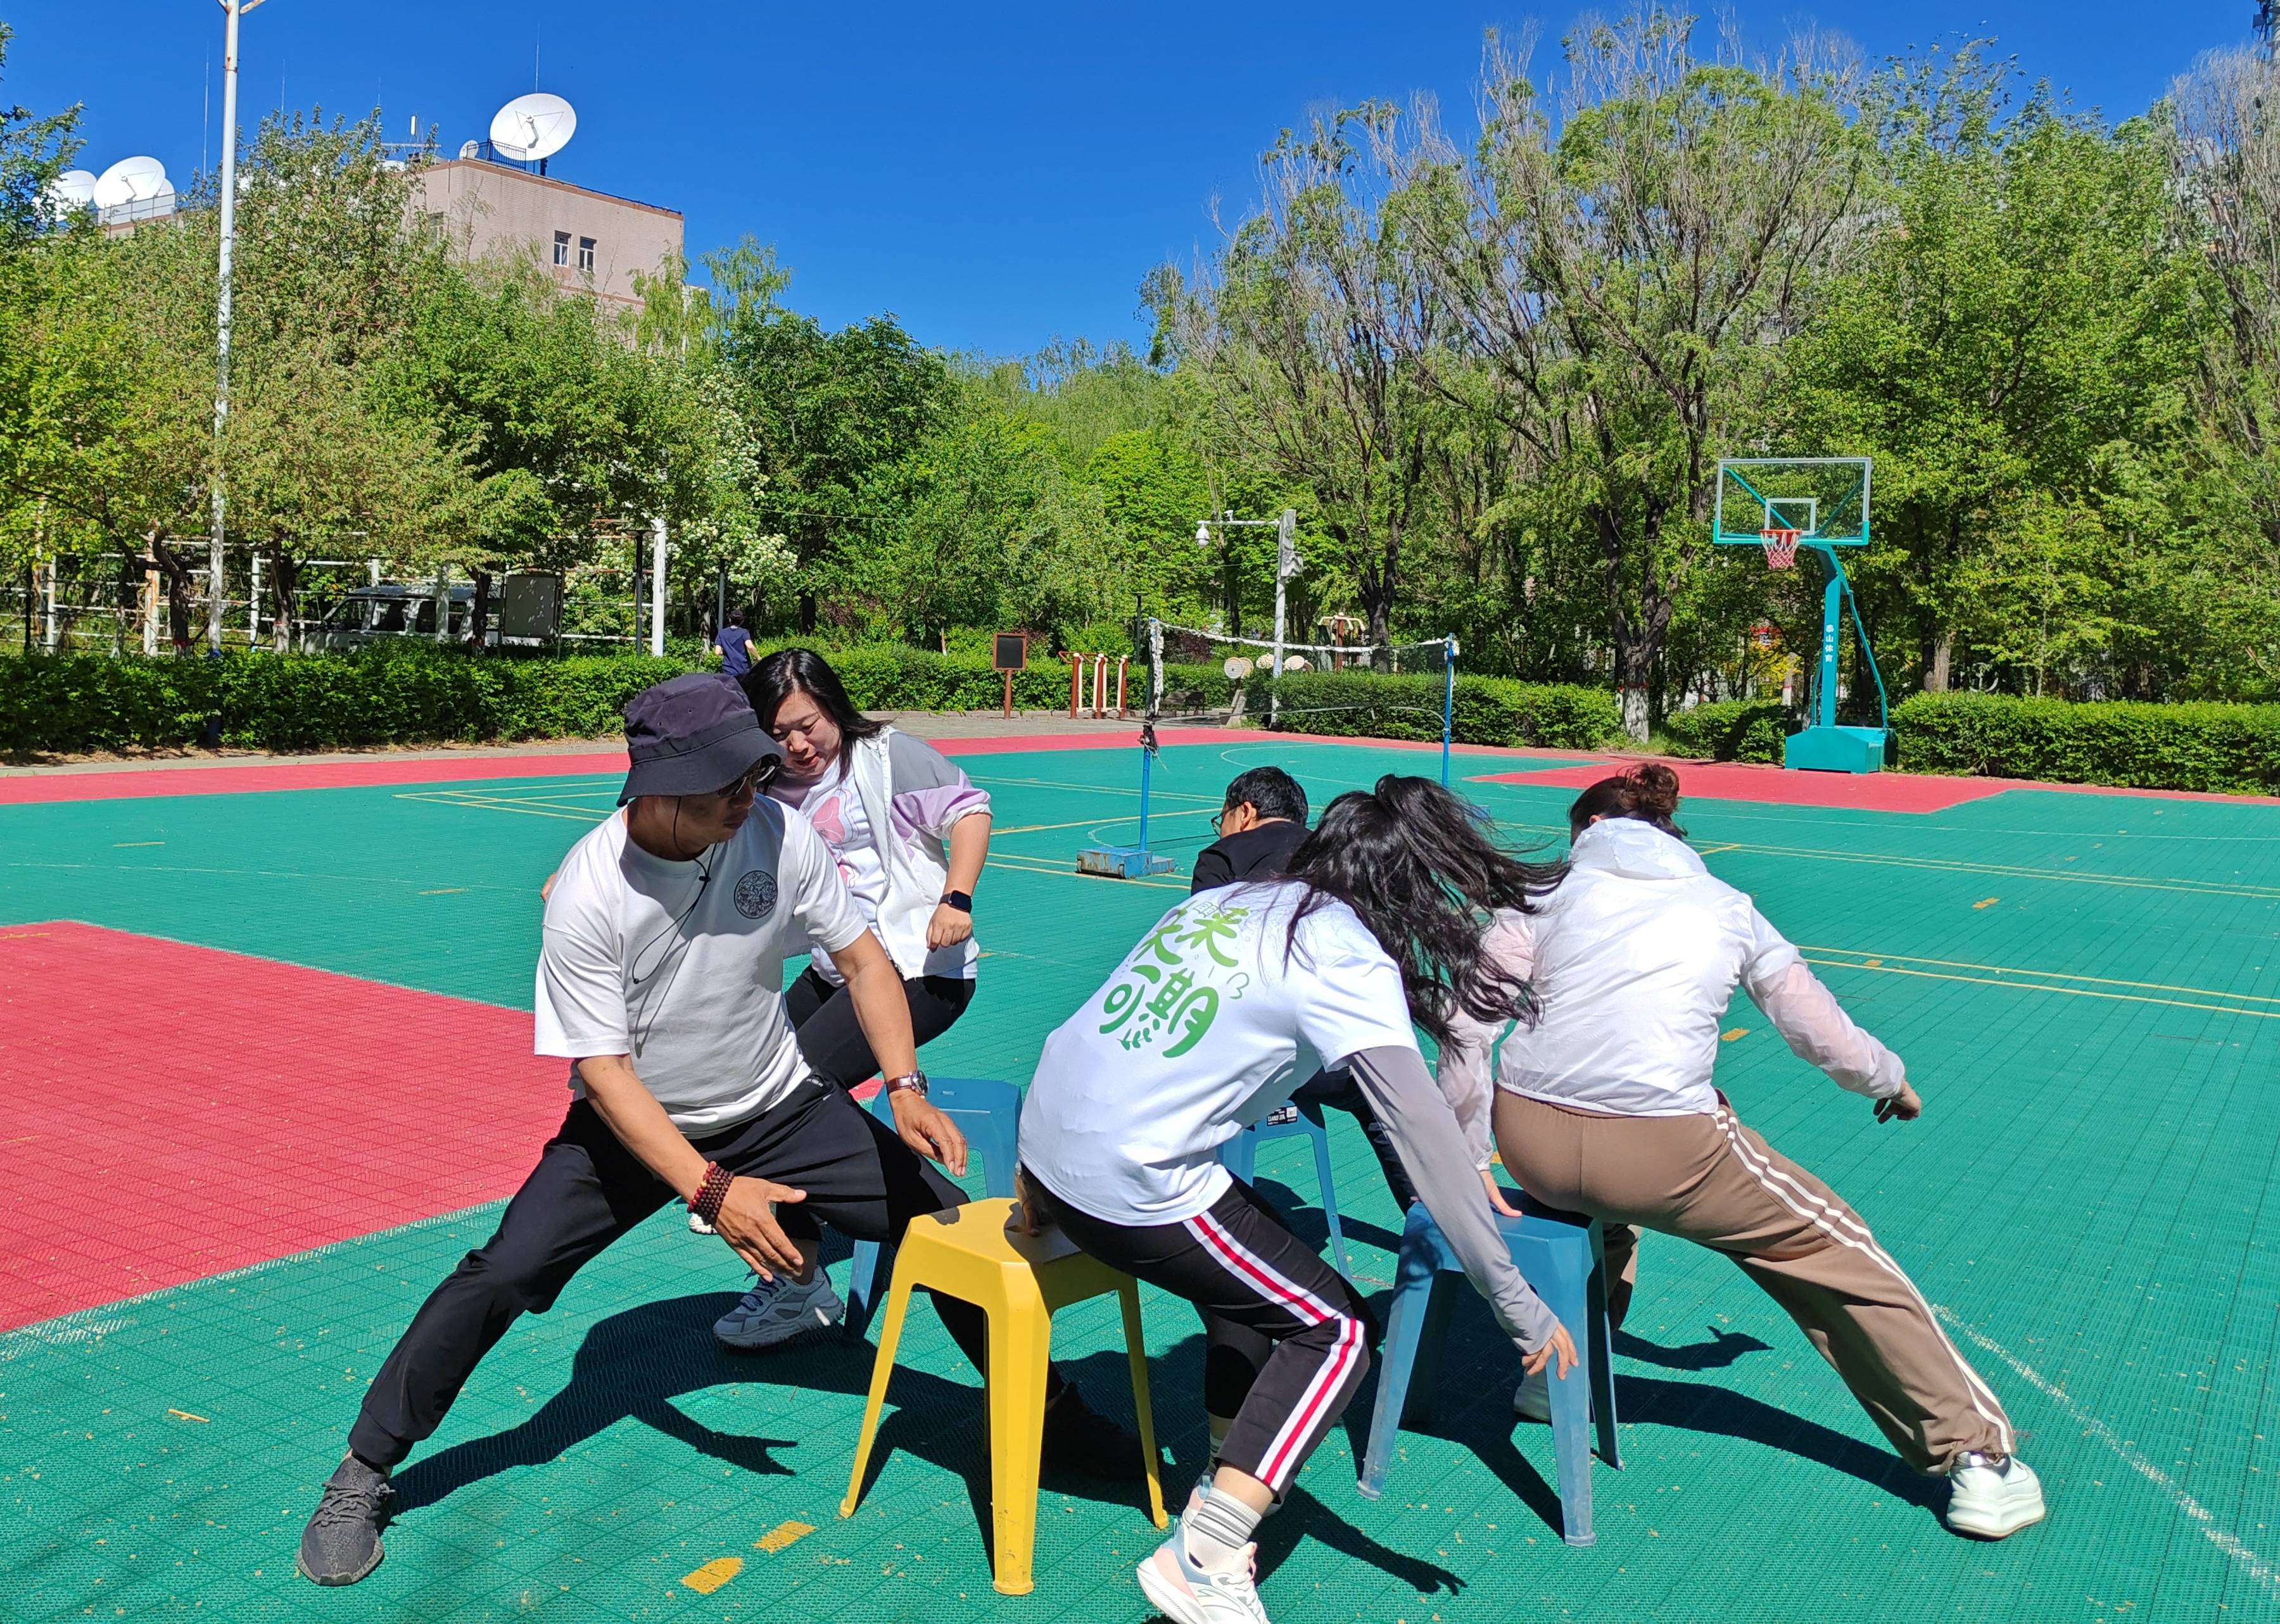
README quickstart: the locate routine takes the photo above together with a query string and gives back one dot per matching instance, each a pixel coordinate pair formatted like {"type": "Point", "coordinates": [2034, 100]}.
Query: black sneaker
{"type": "Point", "coordinates": [1078, 1440]}
{"type": "Point", "coordinates": [341, 1542]}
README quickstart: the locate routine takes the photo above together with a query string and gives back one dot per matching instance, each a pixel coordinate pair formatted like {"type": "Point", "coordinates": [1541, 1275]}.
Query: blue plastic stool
{"type": "Point", "coordinates": [1560, 1255]}
{"type": "Point", "coordinates": [1240, 1156]}
{"type": "Point", "coordinates": [988, 1114]}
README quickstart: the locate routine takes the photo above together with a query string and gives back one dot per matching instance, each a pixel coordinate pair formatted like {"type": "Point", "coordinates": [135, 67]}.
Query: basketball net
{"type": "Point", "coordinates": [1781, 547]}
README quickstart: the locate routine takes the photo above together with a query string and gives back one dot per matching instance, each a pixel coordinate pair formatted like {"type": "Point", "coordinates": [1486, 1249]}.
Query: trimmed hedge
{"type": "Point", "coordinates": [1731, 730]}
{"type": "Point", "coordinates": [2226, 748]}
{"type": "Point", "coordinates": [1496, 711]}
{"type": "Point", "coordinates": [410, 693]}
{"type": "Point", "coordinates": [394, 694]}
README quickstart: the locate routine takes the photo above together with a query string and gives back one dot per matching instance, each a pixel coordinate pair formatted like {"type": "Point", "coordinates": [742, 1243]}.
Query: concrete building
{"type": "Point", "coordinates": [588, 239]}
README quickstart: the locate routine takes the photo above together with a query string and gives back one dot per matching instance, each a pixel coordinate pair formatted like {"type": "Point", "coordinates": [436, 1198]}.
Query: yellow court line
{"type": "Point", "coordinates": [2011, 871]}
{"type": "Point", "coordinates": [1091, 823]}
{"type": "Point", "coordinates": [525, 811]}
{"type": "Point", "coordinates": [477, 797]}
{"type": "Point", "coordinates": [2062, 975]}
{"type": "Point", "coordinates": [2078, 992]}
{"type": "Point", "coordinates": [1132, 794]}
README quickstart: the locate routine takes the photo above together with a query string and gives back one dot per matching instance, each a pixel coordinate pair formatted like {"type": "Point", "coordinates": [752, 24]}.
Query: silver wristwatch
{"type": "Point", "coordinates": [914, 1083]}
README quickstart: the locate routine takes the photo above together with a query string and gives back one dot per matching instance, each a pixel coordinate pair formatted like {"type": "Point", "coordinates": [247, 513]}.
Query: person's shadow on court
{"type": "Point", "coordinates": [632, 1365]}
{"type": "Point", "coordinates": [1175, 1377]}
{"type": "Point", "coordinates": [1477, 1361]}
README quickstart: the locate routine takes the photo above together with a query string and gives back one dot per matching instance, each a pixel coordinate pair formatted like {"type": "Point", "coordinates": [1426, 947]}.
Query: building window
{"type": "Point", "coordinates": [586, 255]}
{"type": "Point", "coordinates": [562, 247]}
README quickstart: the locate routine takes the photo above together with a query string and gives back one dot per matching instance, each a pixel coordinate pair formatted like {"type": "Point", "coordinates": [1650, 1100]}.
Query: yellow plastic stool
{"type": "Point", "coordinates": [1019, 1282]}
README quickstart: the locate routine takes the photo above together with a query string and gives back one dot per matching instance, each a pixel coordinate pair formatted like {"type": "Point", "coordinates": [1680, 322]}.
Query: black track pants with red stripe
{"type": "Point", "coordinates": [1289, 1340]}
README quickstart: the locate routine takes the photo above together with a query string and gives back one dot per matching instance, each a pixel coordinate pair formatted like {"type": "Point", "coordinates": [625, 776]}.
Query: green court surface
{"type": "Point", "coordinates": [2086, 989]}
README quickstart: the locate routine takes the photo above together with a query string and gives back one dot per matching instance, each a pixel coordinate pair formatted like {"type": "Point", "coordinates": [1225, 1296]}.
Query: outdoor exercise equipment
{"type": "Point", "coordinates": [1817, 505]}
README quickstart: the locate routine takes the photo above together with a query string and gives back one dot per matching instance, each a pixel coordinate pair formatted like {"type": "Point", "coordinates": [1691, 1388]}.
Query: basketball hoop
{"type": "Point", "coordinates": [1781, 547]}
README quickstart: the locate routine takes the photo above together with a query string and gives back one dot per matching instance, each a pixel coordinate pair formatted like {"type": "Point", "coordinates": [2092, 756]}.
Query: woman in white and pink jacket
{"type": "Point", "coordinates": [1604, 1105]}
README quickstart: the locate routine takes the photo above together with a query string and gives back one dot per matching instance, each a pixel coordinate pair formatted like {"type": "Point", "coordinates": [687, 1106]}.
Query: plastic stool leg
{"type": "Point", "coordinates": [1571, 1448]}
{"type": "Point", "coordinates": [1020, 1340]}
{"type": "Point", "coordinates": [890, 1332]}
{"type": "Point", "coordinates": [1404, 1329]}
{"type": "Point", "coordinates": [1135, 1350]}
{"type": "Point", "coordinates": [862, 1279]}
{"type": "Point", "coordinates": [1599, 1356]}
{"type": "Point", "coordinates": [1321, 1139]}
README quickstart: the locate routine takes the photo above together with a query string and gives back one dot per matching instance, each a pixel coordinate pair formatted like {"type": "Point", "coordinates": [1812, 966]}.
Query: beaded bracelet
{"type": "Point", "coordinates": [711, 1193]}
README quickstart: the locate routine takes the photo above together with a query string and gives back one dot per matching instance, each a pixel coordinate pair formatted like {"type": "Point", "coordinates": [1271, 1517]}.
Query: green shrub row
{"type": "Point", "coordinates": [1495, 711]}
{"type": "Point", "coordinates": [2227, 748]}
{"type": "Point", "coordinates": [1731, 730]}
{"type": "Point", "coordinates": [411, 693]}
{"type": "Point", "coordinates": [408, 693]}
{"type": "Point", "coordinates": [394, 694]}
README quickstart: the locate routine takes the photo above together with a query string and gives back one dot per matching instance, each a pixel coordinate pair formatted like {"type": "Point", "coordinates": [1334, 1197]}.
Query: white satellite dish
{"type": "Point", "coordinates": [1237, 668]}
{"type": "Point", "coordinates": [534, 127]}
{"type": "Point", "coordinates": [470, 149]}
{"type": "Point", "coordinates": [132, 180]}
{"type": "Point", "coordinates": [70, 191]}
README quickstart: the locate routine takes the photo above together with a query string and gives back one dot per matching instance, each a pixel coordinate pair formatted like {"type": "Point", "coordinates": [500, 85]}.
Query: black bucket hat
{"type": "Point", "coordinates": [694, 734]}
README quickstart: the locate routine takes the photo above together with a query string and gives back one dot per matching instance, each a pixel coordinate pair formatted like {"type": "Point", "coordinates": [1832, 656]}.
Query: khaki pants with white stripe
{"type": "Point", "coordinates": [1709, 1180]}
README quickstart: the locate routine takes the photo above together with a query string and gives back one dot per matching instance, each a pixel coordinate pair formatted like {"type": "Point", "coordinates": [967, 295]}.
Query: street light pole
{"type": "Point", "coordinates": [235, 10]}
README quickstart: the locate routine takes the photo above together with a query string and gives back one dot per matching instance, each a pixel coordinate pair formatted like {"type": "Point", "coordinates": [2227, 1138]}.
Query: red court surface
{"type": "Point", "coordinates": [1735, 780]}
{"type": "Point", "coordinates": [174, 1111]}
{"type": "Point", "coordinates": [110, 784]}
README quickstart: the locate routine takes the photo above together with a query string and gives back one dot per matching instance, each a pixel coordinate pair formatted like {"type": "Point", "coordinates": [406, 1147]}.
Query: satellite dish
{"type": "Point", "coordinates": [132, 180]}
{"type": "Point", "coordinates": [534, 127]}
{"type": "Point", "coordinates": [1295, 662]}
{"type": "Point", "coordinates": [471, 148]}
{"type": "Point", "coordinates": [1236, 668]}
{"type": "Point", "coordinates": [70, 191]}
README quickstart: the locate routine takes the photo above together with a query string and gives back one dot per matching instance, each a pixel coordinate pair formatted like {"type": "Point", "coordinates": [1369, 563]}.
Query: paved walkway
{"type": "Point", "coordinates": [924, 724]}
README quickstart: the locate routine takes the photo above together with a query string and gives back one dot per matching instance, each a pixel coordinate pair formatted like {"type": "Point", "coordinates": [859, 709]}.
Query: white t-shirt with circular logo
{"type": "Point", "coordinates": [1205, 1027]}
{"type": "Point", "coordinates": [680, 966]}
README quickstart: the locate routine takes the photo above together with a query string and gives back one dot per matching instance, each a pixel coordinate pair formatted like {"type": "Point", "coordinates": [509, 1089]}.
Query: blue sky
{"type": "Point", "coordinates": [994, 174]}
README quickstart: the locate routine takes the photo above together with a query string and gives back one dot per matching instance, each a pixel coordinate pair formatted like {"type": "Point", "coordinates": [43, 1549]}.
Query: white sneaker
{"type": "Point", "coordinates": [1187, 1594]}
{"type": "Point", "coordinates": [1993, 1501]}
{"type": "Point", "coordinates": [778, 1310]}
{"type": "Point", "coordinates": [1531, 1400]}
{"type": "Point", "coordinates": [696, 1224]}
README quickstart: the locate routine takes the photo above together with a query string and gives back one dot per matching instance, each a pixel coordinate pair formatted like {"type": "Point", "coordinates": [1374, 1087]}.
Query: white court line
{"type": "Point", "coordinates": [2255, 1566]}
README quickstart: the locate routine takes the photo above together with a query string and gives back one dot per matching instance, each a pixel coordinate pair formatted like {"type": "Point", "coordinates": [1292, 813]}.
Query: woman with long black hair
{"type": "Point", "coordinates": [1235, 994]}
{"type": "Point", "coordinates": [909, 832]}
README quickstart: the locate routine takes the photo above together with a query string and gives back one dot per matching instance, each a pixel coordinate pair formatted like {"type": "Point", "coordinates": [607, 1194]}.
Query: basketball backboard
{"type": "Point", "coordinates": [1824, 499]}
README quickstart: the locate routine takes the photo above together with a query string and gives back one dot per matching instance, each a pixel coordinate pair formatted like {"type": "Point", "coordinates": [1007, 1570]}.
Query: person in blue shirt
{"type": "Point", "coordinates": [735, 646]}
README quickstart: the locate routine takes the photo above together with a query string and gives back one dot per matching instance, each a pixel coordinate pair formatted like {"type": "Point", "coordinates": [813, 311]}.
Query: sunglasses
{"type": "Point", "coordinates": [751, 784]}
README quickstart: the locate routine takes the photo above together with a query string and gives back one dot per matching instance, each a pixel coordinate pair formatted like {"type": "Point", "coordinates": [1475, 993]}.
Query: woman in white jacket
{"type": "Point", "coordinates": [1604, 1105]}
{"type": "Point", "coordinates": [909, 832]}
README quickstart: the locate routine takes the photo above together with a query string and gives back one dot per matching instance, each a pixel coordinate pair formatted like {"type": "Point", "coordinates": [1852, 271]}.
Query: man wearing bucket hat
{"type": "Point", "coordinates": [660, 979]}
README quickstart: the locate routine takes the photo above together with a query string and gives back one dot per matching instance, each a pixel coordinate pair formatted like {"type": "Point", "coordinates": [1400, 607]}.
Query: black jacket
{"type": "Point", "coordinates": [1255, 854]}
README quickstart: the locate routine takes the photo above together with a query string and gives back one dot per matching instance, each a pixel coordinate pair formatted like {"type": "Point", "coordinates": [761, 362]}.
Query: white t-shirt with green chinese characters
{"type": "Point", "coordinates": [1205, 1027]}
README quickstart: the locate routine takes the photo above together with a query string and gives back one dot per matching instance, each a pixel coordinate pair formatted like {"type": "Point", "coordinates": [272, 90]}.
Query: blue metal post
{"type": "Point", "coordinates": [1832, 618]}
{"type": "Point", "coordinates": [1448, 701]}
{"type": "Point", "coordinates": [1145, 754]}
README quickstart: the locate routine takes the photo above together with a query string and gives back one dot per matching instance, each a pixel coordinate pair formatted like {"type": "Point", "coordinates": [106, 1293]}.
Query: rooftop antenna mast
{"type": "Point", "coordinates": [2265, 21]}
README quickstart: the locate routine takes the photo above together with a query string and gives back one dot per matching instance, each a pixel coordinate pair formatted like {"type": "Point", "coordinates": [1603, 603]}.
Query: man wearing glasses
{"type": "Point", "coordinates": [659, 980]}
{"type": "Point", "coordinates": [1260, 824]}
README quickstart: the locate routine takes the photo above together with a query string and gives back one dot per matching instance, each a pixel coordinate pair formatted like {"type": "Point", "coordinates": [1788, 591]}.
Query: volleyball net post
{"type": "Point", "coordinates": [1136, 861]}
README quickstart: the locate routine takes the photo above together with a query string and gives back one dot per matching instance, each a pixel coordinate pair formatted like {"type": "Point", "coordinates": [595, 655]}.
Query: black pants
{"type": "Point", "coordinates": [832, 1042]}
{"type": "Point", "coordinates": [587, 1189]}
{"type": "Point", "coordinates": [1338, 1090]}
{"type": "Point", "coordinates": [1288, 1340]}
